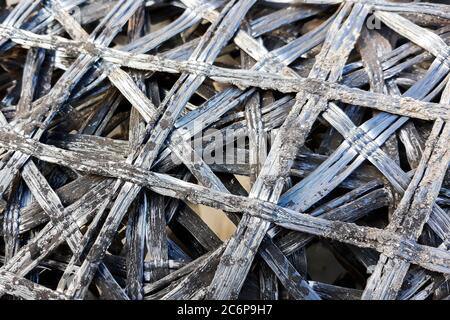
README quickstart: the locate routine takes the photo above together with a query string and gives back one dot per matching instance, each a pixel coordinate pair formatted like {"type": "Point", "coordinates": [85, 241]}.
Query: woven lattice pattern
{"type": "Point", "coordinates": [118, 117]}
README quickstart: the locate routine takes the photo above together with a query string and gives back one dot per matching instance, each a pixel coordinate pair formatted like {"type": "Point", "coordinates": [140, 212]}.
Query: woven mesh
{"type": "Point", "coordinates": [117, 116]}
